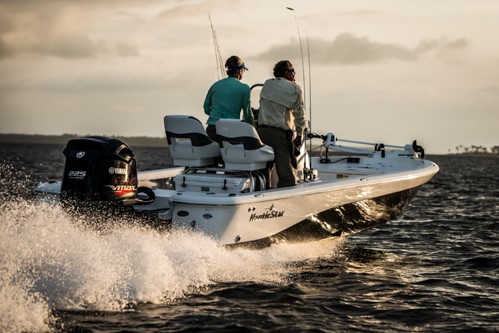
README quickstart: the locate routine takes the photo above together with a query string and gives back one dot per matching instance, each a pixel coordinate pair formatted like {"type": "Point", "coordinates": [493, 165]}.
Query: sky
{"type": "Point", "coordinates": [387, 71]}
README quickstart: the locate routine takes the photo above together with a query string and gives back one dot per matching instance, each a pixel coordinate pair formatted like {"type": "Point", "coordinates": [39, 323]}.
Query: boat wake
{"type": "Point", "coordinates": [51, 260]}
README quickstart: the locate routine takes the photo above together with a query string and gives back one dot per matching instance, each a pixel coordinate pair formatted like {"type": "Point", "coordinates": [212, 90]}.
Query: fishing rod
{"type": "Point", "coordinates": [304, 80]}
{"type": "Point", "coordinates": [309, 100]}
{"type": "Point", "coordinates": [218, 55]}
{"type": "Point", "coordinates": [301, 51]}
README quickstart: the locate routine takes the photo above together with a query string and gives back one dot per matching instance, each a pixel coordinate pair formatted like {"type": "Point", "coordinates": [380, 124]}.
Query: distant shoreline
{"type": "Point", "coordinates": [135, 141]}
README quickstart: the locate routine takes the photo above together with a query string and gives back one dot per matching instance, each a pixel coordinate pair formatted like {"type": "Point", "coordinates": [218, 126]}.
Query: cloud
{"type": "Point", "coordinates": [4, 50]}
{"type": "Point", "coordinates": [56, 30]}
{"type": "Point", "coordinates": [348, 49]}
{"type": "Point", "coordinates": [362, 12]}
{"type": "Point", "coordinates": [194, 9]}
{"type": "Point", "coordinates": [443, 48]}
{"type": "Point", "coordinates": [91, 83]}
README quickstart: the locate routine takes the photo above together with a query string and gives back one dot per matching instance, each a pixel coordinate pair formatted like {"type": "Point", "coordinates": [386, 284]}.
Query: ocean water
{"type": "Point", "coordinates": [435, 269]}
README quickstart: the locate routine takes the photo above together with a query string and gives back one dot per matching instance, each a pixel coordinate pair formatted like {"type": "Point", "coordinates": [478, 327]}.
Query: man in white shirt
{"type": "Point", "coordinates": [282, 119]}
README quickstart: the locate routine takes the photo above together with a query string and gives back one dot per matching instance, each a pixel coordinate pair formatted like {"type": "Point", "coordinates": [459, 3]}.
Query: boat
{"type": "Point", "coordinates": [343, 186]}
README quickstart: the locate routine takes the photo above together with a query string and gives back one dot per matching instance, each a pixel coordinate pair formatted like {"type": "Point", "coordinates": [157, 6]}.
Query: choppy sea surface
{"type": "Point", "coordinates": [435, 269]}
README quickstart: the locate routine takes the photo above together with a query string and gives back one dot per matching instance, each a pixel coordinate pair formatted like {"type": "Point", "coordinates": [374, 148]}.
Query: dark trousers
{"type": "Point", "coordinates": [279, 141]}
{"type": "Point", "coordinates": [211, 131]}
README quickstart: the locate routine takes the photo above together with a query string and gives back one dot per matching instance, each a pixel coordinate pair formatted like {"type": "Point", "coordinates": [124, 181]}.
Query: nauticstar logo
{"type": "Point", "coordinates": [269, 214]}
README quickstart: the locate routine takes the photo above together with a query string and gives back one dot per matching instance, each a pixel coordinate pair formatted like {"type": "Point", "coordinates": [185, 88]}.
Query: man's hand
{"type": "Point", "coordinates": [296, 146]}
{"type": "Point", "coordinates": [297, 142]}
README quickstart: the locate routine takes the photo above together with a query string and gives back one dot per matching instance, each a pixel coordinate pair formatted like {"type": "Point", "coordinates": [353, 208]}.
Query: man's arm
{"type": "Point", "coordinates": [299, 113]}
{"type": "Point", "coordinates": [207, 102]}
{"type": "Point", "coordinates": [247, 114]}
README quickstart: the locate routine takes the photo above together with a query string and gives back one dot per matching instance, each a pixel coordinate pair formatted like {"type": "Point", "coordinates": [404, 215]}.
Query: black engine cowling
{"type": "Point", "coordinates": [99, 169]}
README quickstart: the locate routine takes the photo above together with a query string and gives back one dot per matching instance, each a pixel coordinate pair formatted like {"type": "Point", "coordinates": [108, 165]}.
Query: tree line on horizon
{"type": "Point", "coordinates": [461, 149]}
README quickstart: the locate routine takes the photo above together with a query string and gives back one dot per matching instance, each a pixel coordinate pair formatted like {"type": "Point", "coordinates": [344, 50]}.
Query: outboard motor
{"type": "Point", "coordinates": [99, 169]}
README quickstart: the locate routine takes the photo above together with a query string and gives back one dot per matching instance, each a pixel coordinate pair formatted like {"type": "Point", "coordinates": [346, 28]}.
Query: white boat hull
{"type": "Point", "coordinates": [339, 193]}
{"type": "Point", "coordinates": [315, 206]}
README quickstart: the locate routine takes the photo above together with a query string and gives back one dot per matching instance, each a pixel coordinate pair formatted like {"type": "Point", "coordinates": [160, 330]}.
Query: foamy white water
{"type": "Point", "coordinates": [49, 261]}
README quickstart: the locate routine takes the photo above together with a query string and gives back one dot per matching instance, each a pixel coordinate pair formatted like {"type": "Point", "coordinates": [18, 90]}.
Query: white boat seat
{"type": "Point", "coordinates": [188, 142]}
{"type": "Point", "coordinates": [242, 148]}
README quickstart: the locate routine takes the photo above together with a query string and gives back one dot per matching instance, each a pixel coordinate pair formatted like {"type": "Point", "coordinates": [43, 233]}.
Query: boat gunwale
{"type": "Point", "coordinates": [303, 189]}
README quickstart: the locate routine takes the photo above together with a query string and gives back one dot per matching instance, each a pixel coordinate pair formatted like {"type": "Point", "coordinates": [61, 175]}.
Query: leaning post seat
{"type": "Point", "coordinates": [242, 148]}
{"type": "Point", "coordinates": [188, 142]}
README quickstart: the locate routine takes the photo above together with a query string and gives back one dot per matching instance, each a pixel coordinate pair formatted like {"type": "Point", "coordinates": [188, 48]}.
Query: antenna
{"type": "Point", "coordinates": [301, 51]}
{"type": "Point", "coordinates": [309, 100]}
{"type": "Point", "coordinates": [218, 55]}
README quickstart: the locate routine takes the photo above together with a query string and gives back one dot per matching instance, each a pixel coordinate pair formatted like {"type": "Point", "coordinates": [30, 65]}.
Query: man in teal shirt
{"type": "Point", "coordinates": [227, 97]}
